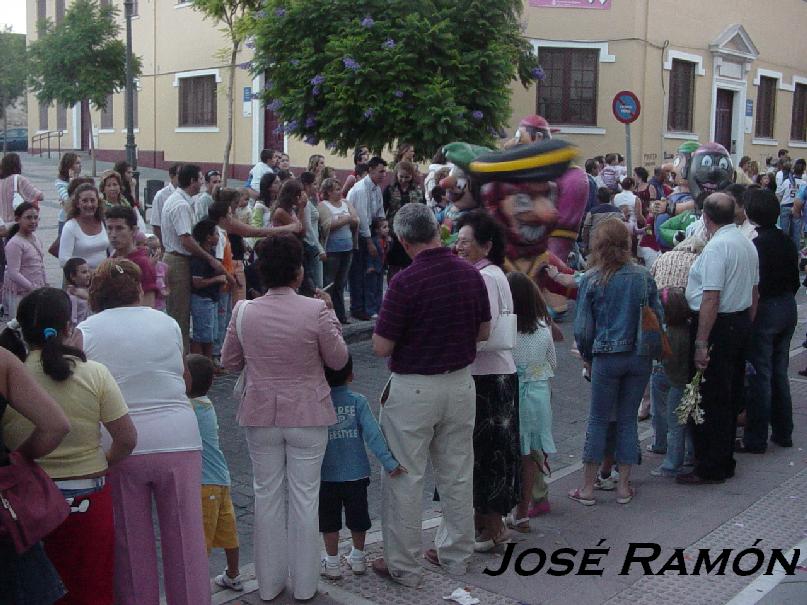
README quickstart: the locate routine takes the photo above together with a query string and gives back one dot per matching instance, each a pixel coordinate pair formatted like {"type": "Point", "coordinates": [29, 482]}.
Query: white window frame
{"type": "Point", "coordinates": [194, 74]}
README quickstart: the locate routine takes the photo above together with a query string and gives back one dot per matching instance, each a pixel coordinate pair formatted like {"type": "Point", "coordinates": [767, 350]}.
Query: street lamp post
{"type": "Point", "coordinates": [131, 155]}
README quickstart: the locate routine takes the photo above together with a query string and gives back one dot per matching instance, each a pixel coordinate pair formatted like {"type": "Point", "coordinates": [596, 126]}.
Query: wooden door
{"type": "Point", "coordinates": [724, 113]}
{"type": "Point", "coordinates": [272, 131]}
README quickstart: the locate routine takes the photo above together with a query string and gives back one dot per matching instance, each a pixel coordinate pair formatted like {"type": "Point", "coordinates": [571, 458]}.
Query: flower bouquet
{"type": "Point", "coordinates": [690, 405]}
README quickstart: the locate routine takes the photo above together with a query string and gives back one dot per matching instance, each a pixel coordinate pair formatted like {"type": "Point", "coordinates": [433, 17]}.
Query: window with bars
{"type": "Point", "coordinates": [197, 101]}
{"type": "Point", "coordinates": [107, 115]}
{"type": "Point", "coordinates": [568, 93]}
{"type": "Point", "coordinates": [798, 123]}
{"type": "Point", "coordinates": [61, 117]}
{"type": "Point", "coordinates": [682, 96]}
{"type": "Point", "coordinates": [43, 116]}
{"type": "Point", "coordinates": [766, 107]}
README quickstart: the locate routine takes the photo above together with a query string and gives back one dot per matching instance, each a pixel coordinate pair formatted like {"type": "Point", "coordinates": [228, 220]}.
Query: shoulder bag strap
{"type": "Point", "coordinates": [503, 310]}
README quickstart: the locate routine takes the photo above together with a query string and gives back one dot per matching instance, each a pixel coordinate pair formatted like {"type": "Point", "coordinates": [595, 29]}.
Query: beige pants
{"type": "Point", "coordinates": [429, 417]}
{"type": "Point", "coordinates": [178, 304]}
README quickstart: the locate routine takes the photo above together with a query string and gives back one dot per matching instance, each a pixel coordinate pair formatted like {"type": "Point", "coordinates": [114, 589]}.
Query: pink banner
{"type": "Point", "coordinates": [598, 4]}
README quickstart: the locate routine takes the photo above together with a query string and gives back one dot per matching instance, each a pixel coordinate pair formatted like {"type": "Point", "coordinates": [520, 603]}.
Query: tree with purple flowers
{"type": "Point", "coordinates": [378, 71]}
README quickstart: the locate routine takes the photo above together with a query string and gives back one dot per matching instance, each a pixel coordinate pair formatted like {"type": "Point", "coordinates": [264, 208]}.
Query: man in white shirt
{"type": "Point", "coordinates": [159, 200]}
{"type": "Point", "coordinates": [177, 225]}
{"type": "Point", "coordinates": [367, 199]}
{"type": "Point", "coordinates": [790, 204]}
{"type": "Point", "coordinates": [202, 201]}
{"type": "Point", "coordinates": [267, 163]}
{"type": "Point", "coordinates": [722, 294]}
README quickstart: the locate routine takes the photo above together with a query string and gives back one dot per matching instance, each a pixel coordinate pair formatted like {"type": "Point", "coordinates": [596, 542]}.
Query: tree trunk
{"type": "Point", "coordinates": [92, 148]}
{"type": "Point", "coordinates": [225, 169]}
{"type": "Point", "coordinates": [5, 131]}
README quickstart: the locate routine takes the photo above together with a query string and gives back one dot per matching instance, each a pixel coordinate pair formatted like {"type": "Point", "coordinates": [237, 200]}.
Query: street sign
{"type": "Point", "coordinates": [626, 107]}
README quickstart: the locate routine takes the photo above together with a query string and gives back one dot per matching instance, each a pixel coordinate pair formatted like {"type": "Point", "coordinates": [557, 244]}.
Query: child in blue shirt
{"type": "Point", "coordinates": [346, 472]}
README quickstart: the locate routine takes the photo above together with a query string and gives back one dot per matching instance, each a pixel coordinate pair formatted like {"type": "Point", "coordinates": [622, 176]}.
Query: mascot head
{"type": "Point", "coordinates": [711, 169]}
{"type": "Point", "coordinates": [535, 129]}
{"type": "Point", "coordinates": [682, 161]}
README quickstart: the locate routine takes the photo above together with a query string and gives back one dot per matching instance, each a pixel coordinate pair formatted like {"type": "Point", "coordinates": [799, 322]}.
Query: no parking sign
{"type": "Point", "coordinates": [626, 108]}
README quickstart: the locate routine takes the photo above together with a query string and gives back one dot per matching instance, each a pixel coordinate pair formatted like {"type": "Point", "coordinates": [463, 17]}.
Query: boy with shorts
{"type": "Point", "coordinates": [217, 506]}
{"type": "Point", "coordinates": [346, 472]}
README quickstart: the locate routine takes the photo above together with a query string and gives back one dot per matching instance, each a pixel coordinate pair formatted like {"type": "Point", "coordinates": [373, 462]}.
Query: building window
{"type": "Point", "coordinates": [798, 125]}
{"type": "Point", "coordinates": [61, 117]}
{"type": "Point", "coordinates": [197, 101]}
{"type": "Point", "coordinates": [59, 11]}
{"type": "Point", "coordinates": [682, 96]}
{"type": "Point", "coordinates": [766, 107]}
{"type": "Point", "coordinates": [568, 93]}
{"type": "Point", "coordinates": [43, 116]}
{"type": "Point", "coordinates": [107, 115]}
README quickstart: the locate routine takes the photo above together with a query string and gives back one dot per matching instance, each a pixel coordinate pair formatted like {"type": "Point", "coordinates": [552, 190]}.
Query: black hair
{"type": "Point", "coordinates": [308, 178]}
{"type": "Point", "coordinates": [187, 175]}
{"type": "Point", "coordinates": [736, 191]}
{"type": "Point", "coordinates": [799, 166]}
{"type": "Point", "coordinates": [124, 212]}
{"type": "Point", "coordinates": [288, 194]}
{"type": "Point", "coordinates": [280, 257]}
{"type": "Point", "coordinates": [486, 229]}
{"type": "Point", "coordinates": [438, 193]}
{"type": "Point", "coordinates": [210, 174]}
{"type": "Point", "coordinates": [591, 164]}
{"type": "Point", "coordinates": [283, 174]}
{"type": "Point", "coordinates": [439, 156]}
{"type": "Point", "coordinates": [265, 187]}
{"type": "Point", "coordinates": [358, 152]}
{"type": "Point", "coordinates": [44, 316]}
{"type": "Point", "coordinates": [218, 210]}
{"type": "Point", "coordinates": [627, 183]}
{"type": "Point", "coordinates": [267, 154]}
{"type": "Point", "coordinates": [70, 268]}
{"type": "Point", "coordinates": [761, 206]}
{"type": "Point", "coordinates": [203, 229]}
{"type": "Point", "coordinates": [376, 161]}
{"type": "Point", "coordinates": [610, 158]}
{"type": "Point", "coordinates": [338, 378]}
{"type": "Point", "coordinates": [376, 223]}
{"type": "Point", "coordinates": [362, 168]}
{"type": "Point", "coordinates": [201, 372]}
{"type": "Point", "coordinates": [604, 195]}
{"type": "Point", "coordinates": [10, 164]}
{"type": "Point", "coordinates": [174, 169]}
{"type": "Point", "coordinates": [18, 212]}
{"type": "Point", "coordinates": [528, 304]}
{"type": "Point", "coordinates": [642, 173]}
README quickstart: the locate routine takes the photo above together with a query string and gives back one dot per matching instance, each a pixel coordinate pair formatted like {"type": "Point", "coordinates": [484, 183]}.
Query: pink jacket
{"type": "Point", "coordinates": [287, 340]}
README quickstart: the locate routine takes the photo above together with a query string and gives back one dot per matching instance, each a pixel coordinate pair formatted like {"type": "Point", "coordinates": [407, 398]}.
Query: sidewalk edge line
{"type": "Point", "coordinates": [759, 588]}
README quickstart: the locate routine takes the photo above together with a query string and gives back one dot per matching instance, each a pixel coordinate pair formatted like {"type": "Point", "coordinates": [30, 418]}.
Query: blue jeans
{"type": "Point", "coordinates": [659, 391]}
{"type": "Point", "coordinates": [337, 266]}
{"type": "Point", "coordinates": [204, 312]}
{"type": "Point", "coordinates": [618, 381]}
{"type": "Point", "coordinates": [357, 278]}
{"type": "Point", "coordinates": [679, 437]}
{"type": "Point", "coordinates": [375, 291]}
{"type": "Point", "coordinates": [769, 401]}
{"type": "Point", "coordinates": [791, 226]}
{"type": "Point", "coordinates": [223, 314]}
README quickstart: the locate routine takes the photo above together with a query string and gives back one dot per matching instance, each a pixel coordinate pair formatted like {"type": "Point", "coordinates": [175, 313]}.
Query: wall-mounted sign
{"type": "Point", "coordinates": [598, 4]}
{"type": "Point", "coordinates": [247, 102]}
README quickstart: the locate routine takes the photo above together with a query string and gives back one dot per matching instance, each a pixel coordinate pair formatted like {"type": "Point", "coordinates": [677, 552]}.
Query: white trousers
{"type": "Point", "coordinates": [286, 542]}
{"type": "Point", "coordinates": [429, 417]}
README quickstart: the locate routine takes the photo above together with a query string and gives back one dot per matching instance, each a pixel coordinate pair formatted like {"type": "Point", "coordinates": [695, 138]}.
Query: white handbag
{"type": "Point", "coordinates": [505, 328]}
{"type": "Point", "coordinates": [17, 199]}
{"type": "Point", "coordinates": [241, 384]}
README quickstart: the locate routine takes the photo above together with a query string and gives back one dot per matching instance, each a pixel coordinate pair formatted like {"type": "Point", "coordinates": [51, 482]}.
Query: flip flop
{"type": "Point", "coordinates": [575, 495]}
{"type": "Point", "coordinates": [626, 499]}
{"type": "Point", "coordinates": [520, 525]}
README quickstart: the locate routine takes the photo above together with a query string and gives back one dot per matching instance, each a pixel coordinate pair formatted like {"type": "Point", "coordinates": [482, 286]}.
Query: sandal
{"type": "Point", "coordinates": [520, 525]}
{"type": "Point", "coordinates": [575, 495]}
{"type": "Point", "coordinates": [627, 499]}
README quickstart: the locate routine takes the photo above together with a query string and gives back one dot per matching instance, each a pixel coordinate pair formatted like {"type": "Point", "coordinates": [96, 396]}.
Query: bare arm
{"type": "Point", "coordinates": [236, 227]}
{"type": "Point", "coordinates": [124, 438]}
{"type": "Point", "coordinates": [484, 331]}
{"type": "Point", "coordinates": [148, 299]}
{"type": "Point", "coordinates": [754, 303]}
{"type": "Point", "coordinates": [382, 347]}
{"type": "Point", "coordinates": [192, 246]}
{"type": "Point", "coordinates": [706, 321]}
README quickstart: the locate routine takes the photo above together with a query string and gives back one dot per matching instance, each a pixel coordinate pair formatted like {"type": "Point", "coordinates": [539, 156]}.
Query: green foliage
{"type": "Point", "coordinates": [13, 70]}
{"type": "Point", "coordinates": [232, 13]}
{"type": "Point", "coordinates": [80, 58]}
{"type": "Point", "coordinates": [375, 72]}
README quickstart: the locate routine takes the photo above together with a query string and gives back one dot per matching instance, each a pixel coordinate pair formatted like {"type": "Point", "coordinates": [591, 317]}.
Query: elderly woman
{"type": "Point", "coordinates": [286, 413]}
{"type": "Point", "coordinates": [84, 235]}
{"type": "Point", "coordinates": [166, 466]}
{"type": "Point", "coordinates": [12, 182]}
{"type": "Point", "coordinates": [609, 303]}
{"type": "Point", "coordinates": [497, 449]}
{"type": "Point", "coordinates": [82, 547]}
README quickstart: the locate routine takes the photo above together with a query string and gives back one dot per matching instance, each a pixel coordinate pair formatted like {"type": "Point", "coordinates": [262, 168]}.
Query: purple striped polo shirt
{"type": "Point", "coordinates": [432, 311]}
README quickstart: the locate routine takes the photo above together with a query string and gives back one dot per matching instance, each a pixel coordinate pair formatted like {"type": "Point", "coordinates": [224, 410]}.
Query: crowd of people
{"type": "Point", "coordinates": [253, 279]}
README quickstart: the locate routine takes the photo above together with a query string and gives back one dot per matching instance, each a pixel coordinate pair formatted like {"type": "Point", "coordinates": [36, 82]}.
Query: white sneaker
{"type": "Point", "coordinates": [226, 581]}
{"type": "Point", "coordinates": [329, 569]}
{"type": "Point", "coordinates": [357, 561]}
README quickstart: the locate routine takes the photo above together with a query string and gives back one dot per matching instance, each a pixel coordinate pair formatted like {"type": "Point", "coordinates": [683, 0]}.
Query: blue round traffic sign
{"type": "Point", "coordinates": [626, 107]}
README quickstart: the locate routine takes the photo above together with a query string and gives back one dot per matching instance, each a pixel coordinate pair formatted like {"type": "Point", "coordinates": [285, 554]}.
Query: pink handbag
{"type": "Point", "coordinates": [31, 506]}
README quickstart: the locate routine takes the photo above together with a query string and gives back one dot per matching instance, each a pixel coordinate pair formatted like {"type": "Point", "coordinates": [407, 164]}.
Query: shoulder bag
{"type": "Point", "coordinates": [650, 338]}
{"type": "Point", "coordinates": [505, 329]}
{"type": "Point", "coordinates": [17, 198]}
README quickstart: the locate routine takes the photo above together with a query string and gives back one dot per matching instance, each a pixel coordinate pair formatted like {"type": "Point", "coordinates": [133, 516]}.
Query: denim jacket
{"type": "Point", "coordinates": [607, 317]}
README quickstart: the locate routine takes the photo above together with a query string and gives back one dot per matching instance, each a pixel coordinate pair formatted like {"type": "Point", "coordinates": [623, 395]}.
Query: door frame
{"type": "Point", "coordinates": [740, 89]}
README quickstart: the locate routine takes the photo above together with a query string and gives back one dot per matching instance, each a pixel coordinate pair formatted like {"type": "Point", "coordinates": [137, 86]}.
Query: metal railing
{"type": "Point", "coordinates": [47, 136]}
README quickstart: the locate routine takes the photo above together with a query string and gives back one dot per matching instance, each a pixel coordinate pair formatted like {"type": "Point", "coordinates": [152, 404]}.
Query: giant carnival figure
{"type": "Point", "coordinates": [539, 198]}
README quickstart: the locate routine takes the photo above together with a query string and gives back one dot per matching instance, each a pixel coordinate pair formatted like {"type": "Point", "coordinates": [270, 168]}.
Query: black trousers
{"type": "Point", "coordinates": [722, 390]}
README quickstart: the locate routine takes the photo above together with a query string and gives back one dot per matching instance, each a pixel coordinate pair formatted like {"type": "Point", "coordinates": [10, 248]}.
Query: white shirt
{"type": "Point", "coordinates": [500, 298]}
{"type": "Point", "coordinates": [75, 243]}
{"type": "Point", "coordinates": [368, 201]}
{"type": "Point", "coordinates": [697, 228]}
{"type": "Point", "coordinates": [728, 264]}
{"type": "Point", "coordinates": [257, 172]}
{"type": "Point", "coordinates": [158, 203]}
{"type": "Point", "coordinates": [201, 204]}
{"type": "Point", "coordinates": [147, 363]}
{"type": "Point", "coordinates": [178, 219]}
{"type": "Point", "coordinates": [787, 190]}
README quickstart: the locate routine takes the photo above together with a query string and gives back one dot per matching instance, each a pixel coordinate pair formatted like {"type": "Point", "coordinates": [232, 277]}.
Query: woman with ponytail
{"type": "Point", "coordinates": [25, 263]}
{"type": "Point", "coordinates": [82, 547]}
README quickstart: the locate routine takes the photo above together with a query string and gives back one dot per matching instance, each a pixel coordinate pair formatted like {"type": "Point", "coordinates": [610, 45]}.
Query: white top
{"type": "Point", "coordinates": [535, 355]}
{"type": "Point", "coordinates": [75, 243]}
{"type": "Point", "coordinates": [368, 200]}
{"type": "Point", "coordinates": [728, 264]}
{"type": "Point", "coordinates": [257, 172]}
{"type": "Point", "coordinates": [788, 188]}
{"type": "Point", "coordinates": [495, 362]}
{"type": "Point", "coordinates": [158, 203]}
{"type": "Point", "coordinates": [697, 228]}
{"type": "Point", "coordinates": [61, 190]}
{"type": "Point", "coordinates": [626, 198]}
{"type": "Point", "coordinates": [146, 361]}
{"type": "Point", "coordinates": [177, 219]}
{"type": "Point", "coordinates": [201, 203]}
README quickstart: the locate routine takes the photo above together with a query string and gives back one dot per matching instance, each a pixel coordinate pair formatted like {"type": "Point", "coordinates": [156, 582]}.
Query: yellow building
{"type": "Point", "coordinates": [733, 71]}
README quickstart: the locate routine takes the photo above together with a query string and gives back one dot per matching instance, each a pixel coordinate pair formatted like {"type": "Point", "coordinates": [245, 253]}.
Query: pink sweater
{"type": "Point", "coordinates": [25, 266]}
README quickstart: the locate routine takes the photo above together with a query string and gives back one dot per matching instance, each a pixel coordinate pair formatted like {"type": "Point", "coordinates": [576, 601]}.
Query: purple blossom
{"type": "Point", "coordinates": [278, 130]}
{"type": "Point", "coordinates": [399, 94]}
{"type": "Point", "coordinates": [388, 44]}
{"type": "Point", "coordinates": [295, 62]}
{"type": "Point", "coordinates": [261, 14]}
{"type": "Point", "coordinates": [318, 79]}
{"type": "Point", "coordinates": [367, 21]}
{"type": "Point", "coordinates": [250, 44]}
{"type": "Point", "coordinates": [331, 145]}
{"type": "Point", "coordinates": [311, 140]}
{"type": "Point", "coordinates": [275, 105]}
{"type": "Point", "coordinates": [292, 125]}
{"type": "Point", "coordinates": [538, 73]}
{"type": "Point", "coordinates": [351, 63]}
{"type": "Point", "coordinates": [310, 122]}
{"type": "Point", "coordinates": [315, 91]}
{"type": "Point", "coordinates": [477, 115]}
{"type": "Point", "coordinates": [368, 113]}
{"type": "Point", "coordinates": [280, 12]}
{"type": "Point", "coordinates": [245, 65]}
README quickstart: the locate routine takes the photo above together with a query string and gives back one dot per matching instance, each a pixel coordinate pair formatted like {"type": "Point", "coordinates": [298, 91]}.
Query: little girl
{"type": "Point", "coordinates": [676, 372]}
{"type": "Point", "coordinates": [25, 262]}
{"type": "Point", "coordinates": [161, 269]}
{"type": "Point", "coordinates": [243, 212]}
{"type": "Point", "coordinates": [77, 275]}
{"type": "Point", "coordinates": [535, 359]}
{"type": "Point", "coordinates": [379, 230]}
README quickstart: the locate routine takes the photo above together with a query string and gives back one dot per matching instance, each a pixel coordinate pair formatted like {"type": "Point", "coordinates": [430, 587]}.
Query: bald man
{"type": "Point", "coordinates": [722, 295]}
